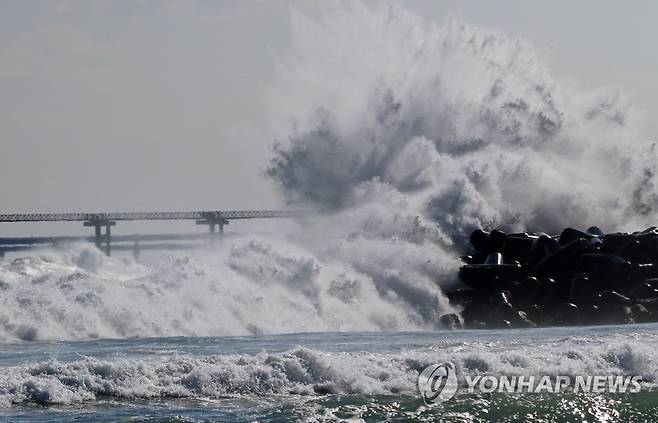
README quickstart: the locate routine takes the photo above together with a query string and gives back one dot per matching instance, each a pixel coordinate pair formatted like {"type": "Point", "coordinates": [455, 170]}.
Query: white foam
{"type": "Point", "coordinates": [247, 285]}
{"type": "Point", "coordinates": [303, 371]}
{"type": "Point", "coordinates": [396, 118]}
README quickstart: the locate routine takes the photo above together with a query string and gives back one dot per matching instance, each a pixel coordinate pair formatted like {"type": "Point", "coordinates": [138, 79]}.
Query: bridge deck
{"type": "Point", "coordinates": [216, 218]}
{"type": "Point", "coordinates": [180, 215]}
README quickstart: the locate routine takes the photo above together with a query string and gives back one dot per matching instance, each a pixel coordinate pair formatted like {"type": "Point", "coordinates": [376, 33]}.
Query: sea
{"type": "Point", "coordinates": [259, 330]}
{"type": "Point", "coordinates": [411, 132]}
{"type": "Point", "coordinates": [324, 377]}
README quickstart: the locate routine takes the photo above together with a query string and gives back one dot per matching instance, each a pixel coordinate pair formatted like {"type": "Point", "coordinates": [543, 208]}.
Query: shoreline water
{"type": "Point", "coordinates": [317, 376]}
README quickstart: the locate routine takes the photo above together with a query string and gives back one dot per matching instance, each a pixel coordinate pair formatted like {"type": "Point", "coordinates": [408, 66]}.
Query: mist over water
{"type": "Point", "coordinates": [408, 134]}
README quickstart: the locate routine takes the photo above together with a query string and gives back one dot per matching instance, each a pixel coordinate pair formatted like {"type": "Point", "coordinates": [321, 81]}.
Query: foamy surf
{"type": "Point", "coordinates": [248, 285]}
{"type": "Point", "coordinates": [342, 369]}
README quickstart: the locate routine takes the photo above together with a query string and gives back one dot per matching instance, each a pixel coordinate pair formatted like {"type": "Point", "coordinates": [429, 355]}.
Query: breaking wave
{"type": "Point", "coordinates": [304, 371]}
{"type": "Point", "coordinates": [250, 286]}
{"type": "Point", "coordinates": [460, 126]}
{"type": "Point", "coordinates": [409, 134]}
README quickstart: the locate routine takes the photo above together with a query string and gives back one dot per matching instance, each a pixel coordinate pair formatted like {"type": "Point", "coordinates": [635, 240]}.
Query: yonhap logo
{"type": "Point", "coordinates": [438, 383]}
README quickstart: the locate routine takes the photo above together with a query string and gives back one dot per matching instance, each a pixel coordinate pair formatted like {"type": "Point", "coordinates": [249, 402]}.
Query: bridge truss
{"type": "Point", "coordinates": [213, 219]}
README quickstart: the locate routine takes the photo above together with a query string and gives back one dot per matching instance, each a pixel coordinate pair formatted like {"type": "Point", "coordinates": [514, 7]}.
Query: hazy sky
{"type": "Point", "coordinates": [158, 105]}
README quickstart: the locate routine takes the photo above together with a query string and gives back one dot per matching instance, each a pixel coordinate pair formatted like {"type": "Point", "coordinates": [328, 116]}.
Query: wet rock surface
{"type": "Point", "coordinates": [523, 280]}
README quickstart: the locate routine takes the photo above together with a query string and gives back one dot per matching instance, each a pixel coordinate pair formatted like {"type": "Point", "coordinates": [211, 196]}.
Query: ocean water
{"type": "Point", "coordinates": [408, 134]}
{"type": "Point", "coordinates": [192, 336]}
{"type": "Point", "coordinates": [362, 376]}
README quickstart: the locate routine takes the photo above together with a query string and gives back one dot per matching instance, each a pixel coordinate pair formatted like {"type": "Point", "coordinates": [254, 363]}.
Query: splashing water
{"type": "Point", "coordinates": [251, 286]}
{"type": "Point", "coordinates": [458, 125]}
{"type": "Point", "coordinates": [410, 134]}
{"type": "Point", "coordinates": [414, 133]}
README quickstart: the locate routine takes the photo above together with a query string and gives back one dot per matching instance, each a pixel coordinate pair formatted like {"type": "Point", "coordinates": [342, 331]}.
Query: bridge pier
{"type": "Point", "coordinates": [213, 222]}
{"type": "Point", "coordinates": [108, 242]}
{"type": "Point", "coordinates": [98, 237]}
{"type": "Point", "coordinates": [136, 249]}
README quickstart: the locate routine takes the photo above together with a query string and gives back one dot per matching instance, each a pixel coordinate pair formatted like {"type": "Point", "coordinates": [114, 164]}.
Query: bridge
{"type": "Point", "coordinates": [213, 219]}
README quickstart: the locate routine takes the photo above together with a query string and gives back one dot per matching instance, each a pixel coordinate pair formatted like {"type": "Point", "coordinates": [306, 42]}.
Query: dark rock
{"type": "Point", "coordinates": [606, 263]}
{"type": "Point", "coordinates": [547, 245]}
{"type": "Point", "coordinates": [530, 283]}
{"type": "Point", "coordinates": [582, 290]}
{"type": "Point", "coordinates": [653, 282]}
{"type": "Point", "coordinates": [481, 275]}
{"type": "Point", "coordinates": [640, 313]}
{"type": "Point", "coordinates": [535, 313]}
{"type": "Point", "coordinates": [560, 258]}
{"type": "Point", "coordinates": [451, 321]}
{"type": "Point", "coordinates": [566, 314]}
{"type": "Point", "coordinates": [609, 271]}
{"type": "Point", "coordinates": [521, 320]}
{"type": "Point", "coordinates": [643, 290]}
{"type": "Point", "coordinates": [475, 324]}
{"type": "Point", "coordinates": [501, 305]}
{"type": "Point", "coordinates": [619, 314]}
{"type": "Point", "coordinates": [494, 259]}
{"type": "Point", "coordinates": [570, 234]}
{"type": "Point", "coordinates": [524, 280]}
{"type": "Point", "coordinates": [499, 324]}
{"type": "Point", "coordinates": [632, 251]}
{"type": "Point", "coordinates": [479, 238]}
{"type": "Point", "coordinates": [519, 246]}
{"type": "Point", "coordinates": [644, 271]}
{"type": "Point", "coordinates": [596, 244]}
{"type": "Point", "coordinates": [546, 293]}
{"type": "Point", "coordinates": [613, 242]}
{"type": "Point", "coordinates": [592, 315]}
{"type": "Point", "coordinates": [494, 244]}
{"type": "Point", "coordinates": [650, 304]}
{"type": "Point", "coordinates": [594, 230]}
{"type": "Point", "coordinates": [504, 284]}
{"type": "Point", "coordinates": [460, 296]}
{"type": "Point", "coordinates": [607, 298]}
{"type": "Point", "coordinates": [649, 243]}
{"type": "Point", "coordinates": [523, 289]}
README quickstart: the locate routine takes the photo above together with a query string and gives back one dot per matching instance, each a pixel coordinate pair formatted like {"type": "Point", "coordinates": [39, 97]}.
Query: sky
{"type": "Point", "coordinates": [159, 105]}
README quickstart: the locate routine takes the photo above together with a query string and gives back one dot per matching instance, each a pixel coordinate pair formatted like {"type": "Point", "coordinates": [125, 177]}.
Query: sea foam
{"type": "Point", "coordinates": [306, 371]}
{"type": "Point", "coordinates": [247, 285]}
